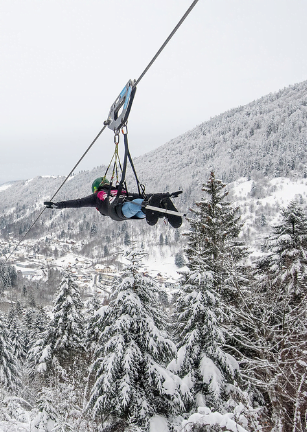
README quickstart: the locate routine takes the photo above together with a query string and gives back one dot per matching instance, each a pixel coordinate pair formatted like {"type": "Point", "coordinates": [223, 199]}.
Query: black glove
{"type": "Point", "coordinates": [50, 204]}
{"type": "Point", "coordinates": [175, 194]}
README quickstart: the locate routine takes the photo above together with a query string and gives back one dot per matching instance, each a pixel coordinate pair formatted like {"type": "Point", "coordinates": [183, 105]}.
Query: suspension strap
{"type": "Point", "coordinates": [127, 156]}
{"type": "Point", "coordinates": [139, 186]}
{"type": "Point", "coordinates": [121, 183]}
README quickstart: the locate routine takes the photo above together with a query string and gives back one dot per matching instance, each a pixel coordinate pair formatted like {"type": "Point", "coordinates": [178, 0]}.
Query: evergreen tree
{"type": "Point", "coordinates": [9, 375]}
{"type": "Point", "coordinates": [94, 313]}
{"type": "Point", "coordinates": [201, 359]}
{"type": "Point", "coordinates": [47, 415]}
{"type": "Point", "coordinates": [40, 323]}
{"type": "Point", "coordinates": [13, 275]}
{"type": "Point", "coordinates": [213, 239]}
{"type": "Point", "coordinates": [127, 240]}
{"type": "Point", "coordinates": [60, 347]}
{"type": "Point", "coordinates": [132, 382]}
{"type": "Point", "coordinates": [179, 260]}
{"type": "Point", "coordinates": [94, 230]}
{"type": "Point", "coordinates": [16, 329]}
{"type": "Point", "coordinates": [17, 338]}
{"type": "Point", "coordinates": [58, 409]}
{"type": "Point", "coordinates": [279, 304]}
{"type": "Point", "coordinates": [5, 279]}
{"type": "Point", "coordinates": [28, 325]}
{"type": "Point", "coordinates": [286, 262]}
{"type": "Point", "coordinates": [206, 318]}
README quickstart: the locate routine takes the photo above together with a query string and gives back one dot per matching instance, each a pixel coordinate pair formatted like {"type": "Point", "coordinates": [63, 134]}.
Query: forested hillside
{"type": "Point", "coordinates": [266, 137]}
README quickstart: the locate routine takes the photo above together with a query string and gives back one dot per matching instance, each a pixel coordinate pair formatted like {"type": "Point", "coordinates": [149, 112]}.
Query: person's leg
{"type": "Point", "coordinates": [151, 215]}
{"type": "Point", "coordinates": [129, 209]}
{"type": "Point", "coordinates": [175, 221]}
{"type": "Point", "coordinates": [163, 201]}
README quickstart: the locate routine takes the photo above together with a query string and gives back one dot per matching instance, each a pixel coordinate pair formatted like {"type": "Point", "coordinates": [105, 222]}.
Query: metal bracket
{"type": "Point", "coordinates": [120, 109]}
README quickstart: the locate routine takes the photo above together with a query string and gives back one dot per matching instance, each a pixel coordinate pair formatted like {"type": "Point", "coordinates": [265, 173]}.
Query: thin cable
{"type": "Point", "coordinates": [22, 239]}
{"type": "Point", "coordinates": [25, 235]}
{"type": "Point", "coordinates": [166, 42]}
{"type": "Point", "coordinates": [93, 142]}
{"type": "Point", "coordinates": [90, 146]}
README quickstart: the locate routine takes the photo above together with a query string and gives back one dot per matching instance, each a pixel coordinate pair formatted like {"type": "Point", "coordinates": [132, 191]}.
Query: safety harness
{"type": "Point", "coordinates": [117, 121]}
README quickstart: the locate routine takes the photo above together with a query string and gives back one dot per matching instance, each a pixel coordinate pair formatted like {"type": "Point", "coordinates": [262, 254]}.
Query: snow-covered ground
{"type": "Point", "coordinates": [261, 202]}
{"type": "Point", "coordinates": [275, 192]}
{"type": "Point", "coordinates": [157, 423]}
{"type": "Point", "coordinates": [204, 416]}
{"type": "Point", "coordinates": [5, 186]}
{"type": "Point", "coordinates": [162, 265]}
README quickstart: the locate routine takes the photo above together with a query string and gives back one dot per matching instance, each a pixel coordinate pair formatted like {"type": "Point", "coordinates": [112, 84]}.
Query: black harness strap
{"type": "Point", "coordinates": [121, 183]}
{"type": "Point", "coordinates": [127, 156]}
{"type": "Point", "coordinates": [135, 175]}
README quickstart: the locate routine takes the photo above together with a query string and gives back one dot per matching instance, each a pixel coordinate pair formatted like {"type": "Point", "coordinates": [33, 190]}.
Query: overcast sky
{"type": "Point", "coordinates": [63, 63]}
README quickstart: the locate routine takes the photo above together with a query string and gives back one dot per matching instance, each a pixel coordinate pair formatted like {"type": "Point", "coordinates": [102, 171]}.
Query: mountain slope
{"type": "Point", "coordinates": [266, 138]}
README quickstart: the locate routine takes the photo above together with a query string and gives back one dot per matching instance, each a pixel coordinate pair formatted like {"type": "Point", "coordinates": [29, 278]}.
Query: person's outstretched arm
{"type": "Point", "coordinates": [89, 201]}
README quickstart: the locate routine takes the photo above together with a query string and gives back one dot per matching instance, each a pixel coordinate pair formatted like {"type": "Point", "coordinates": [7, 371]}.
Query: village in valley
{"type": "Point", "coordinates": [94, 277]}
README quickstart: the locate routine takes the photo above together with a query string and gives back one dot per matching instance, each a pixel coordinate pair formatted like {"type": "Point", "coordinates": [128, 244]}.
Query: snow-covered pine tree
{"type": "Point", "coordinates": [40, 323]}
{"type": "Point", "coordinates": [92, 332]}
{"type": "Point", "coordinates": [47, 414]}
{"type": "Point", "coordinates": [214, 247]}
{"type": "Point", "coordinates": [179, 260]}
{"type": "Point", "coordinates": [279, 366]}
{"type": "Point", "coordinates": [60, 348]}
{"type": "Point", "coordinates": [202, 362]}
{"type": "Point", "coordinates": [5, 280]}
{"type": "Point", "coordinates": [35, 321]}
{"type": "Point", "coordinates": [8, 276]}
{"type": "Point", "coordinates": [206, 319]}
{"type": "Point", "coordinates": [213, 240]}
{"type": "Point", "coordinates": [16, 336]}
{"type": "Point", "coordinates": [286, 263]}
{"type": "Point", "coordinates": [57, 409]}
{"type": "Point", "coordinates": [29, 317]}
{"type": "Point", "coordinates": [9, 375]}
{"type": "Point", "coordinates": [132, 382]}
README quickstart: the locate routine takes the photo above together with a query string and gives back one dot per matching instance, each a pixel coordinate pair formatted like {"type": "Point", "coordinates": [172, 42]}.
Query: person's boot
{"type": "Point", "coordinates": [175, 221]}
{"type": "Point", "coordinates": [151, 215]}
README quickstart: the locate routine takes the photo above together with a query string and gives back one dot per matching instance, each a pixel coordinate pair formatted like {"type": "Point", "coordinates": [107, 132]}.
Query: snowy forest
{"type": "Point", "coordinates": [225, 351]}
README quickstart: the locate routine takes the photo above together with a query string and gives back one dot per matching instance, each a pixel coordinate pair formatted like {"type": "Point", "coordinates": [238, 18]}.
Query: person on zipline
{"type": "Point", "coordinates": [126, 206]}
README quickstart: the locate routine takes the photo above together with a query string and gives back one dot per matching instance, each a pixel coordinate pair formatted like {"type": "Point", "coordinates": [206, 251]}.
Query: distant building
{"type": "Point", "coordinates": [105, 269]}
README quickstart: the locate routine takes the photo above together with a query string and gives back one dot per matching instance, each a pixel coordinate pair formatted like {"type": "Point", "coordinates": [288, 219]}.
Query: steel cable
{"type": "Point", "coordinates": [166, 42]}
{"type": "Point", "coordinates": [104, 127]}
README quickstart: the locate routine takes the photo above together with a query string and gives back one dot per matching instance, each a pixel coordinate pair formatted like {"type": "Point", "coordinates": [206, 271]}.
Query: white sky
{"type": "Point", "coordinates": [63, 63]}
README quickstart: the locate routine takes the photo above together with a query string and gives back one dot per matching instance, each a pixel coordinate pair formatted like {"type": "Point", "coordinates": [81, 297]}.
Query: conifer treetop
{"type": "Point", "coordinates": [132, 381]}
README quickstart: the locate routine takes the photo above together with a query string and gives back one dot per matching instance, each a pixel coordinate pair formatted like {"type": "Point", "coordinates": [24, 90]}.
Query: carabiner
{"type": "Point", "coordinates": [125, 129]}
{"type": "Point", "coordinates": [116, 138]}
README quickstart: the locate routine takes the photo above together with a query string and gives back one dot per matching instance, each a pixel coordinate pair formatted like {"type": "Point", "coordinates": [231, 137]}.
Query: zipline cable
{"type": "Point", "coordinates": [84, 154]}
{"type": "Point", "coordinates": [104, 127]}
{"type": "Point", "coordinates": [135, 84]}
{"type": "Point", "coordinates": [38, 217]}
{"type": "Point", "coordinates": [166, 42]}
